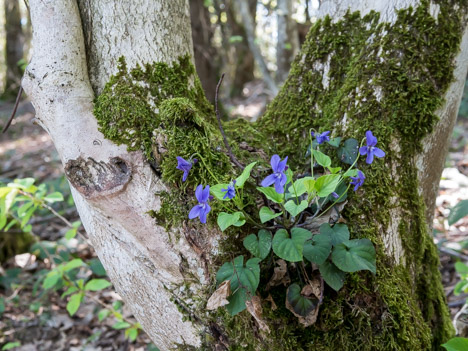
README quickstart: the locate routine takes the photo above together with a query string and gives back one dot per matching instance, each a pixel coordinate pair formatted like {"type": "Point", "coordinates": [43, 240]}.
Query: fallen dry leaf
{"type": "Point", "coordinates": [280, 275]}
{"type": "Point", "coordinates": [254, 306]}
{"type": "Point", "coordinates": [273, 304]}
{"type": "Point", "coordinates": [219, 297]}
{"type": "Point", "coordinates": [311, 291]}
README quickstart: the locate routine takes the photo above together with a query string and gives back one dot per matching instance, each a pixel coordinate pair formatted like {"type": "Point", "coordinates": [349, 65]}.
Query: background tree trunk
{"type": "Point", "coordinates": [288, 39]}
{"type": "Point", "coordinates": [206, 56]}
{"type": "Point", "coordinates": [14, 47]}
{"type": "Point", "coordinates": [392, 74]}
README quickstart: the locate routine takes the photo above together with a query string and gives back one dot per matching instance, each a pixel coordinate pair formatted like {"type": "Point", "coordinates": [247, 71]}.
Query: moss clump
{"type": "Point", "coordinates": [161, 109]}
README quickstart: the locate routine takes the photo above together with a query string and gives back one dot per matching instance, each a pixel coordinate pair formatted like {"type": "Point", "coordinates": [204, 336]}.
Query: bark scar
{"type": "Point", "coordinates": [94, 179]}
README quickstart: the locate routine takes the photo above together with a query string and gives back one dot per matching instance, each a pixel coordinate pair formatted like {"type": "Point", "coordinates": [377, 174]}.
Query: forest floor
{"type": "Point", "coordinates": [41, 322]}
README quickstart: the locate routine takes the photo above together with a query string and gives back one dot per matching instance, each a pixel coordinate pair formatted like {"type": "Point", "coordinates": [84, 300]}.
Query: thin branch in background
{"type": "Point", "coordinates": [228, 148]}
{"type": "Point", "coordinates": [18, 97]}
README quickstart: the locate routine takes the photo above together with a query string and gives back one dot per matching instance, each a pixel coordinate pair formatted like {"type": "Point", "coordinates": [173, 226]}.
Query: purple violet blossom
{"type": "Point", "coordinates": [185, 166]}
{"type": "Point", "coordinates": [335, 195]}
{"type": "Point", "coordinates": [370, 150]}
{"type": "Point", "coordinates": [202, 209]}
{"type": "Point", "coordinates": [230, 191]}
{"type": "Point", "coordinates": [278, 177]}
{"type": "Point", "coordinates": [358, 181]}
{"type": "Point", "coordinates": [322, 137]}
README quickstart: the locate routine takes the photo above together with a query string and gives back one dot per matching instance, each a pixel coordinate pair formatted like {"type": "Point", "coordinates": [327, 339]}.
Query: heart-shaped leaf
{"type": "Point", "coordinates": [333, 276]}
{"type": "Point", "coordinates": [288, 247]}
{"type": "Point", "coordinates": [244, 279]}
{"type": "Point", "coordinates": [245, 175]}
{"type": "Point", "coordinates": [271, 194]}
{"type": "Point", "coordinates": [318, 248]}
{"type": "Point", "coordinates": [322, 159]}
{"type": "Point", "coordinates": [294, 209]}
{"type": "Point", "coordinates": [304, 303]}
{"type": "Point", "coordinates": [337, 234]}
{"type": "Point", "coordinates": [327, 184]}
{"type": "Point", "coordinates": [259, 246]}
{"type": "Point", "coordinates": [349, 151]}
{"type": "Point", "coordinates": [225, 220]}
{"type": "Point", "coordinates": [218, 193]}
{"type": "Point", "coordinates": [335, 142]}
{"type": "Point", "coordinates": [267, 214]}
{"type": "Point", "coordinates": [354, 255]}
{"type": "Point", "coordinates": [456, 344]}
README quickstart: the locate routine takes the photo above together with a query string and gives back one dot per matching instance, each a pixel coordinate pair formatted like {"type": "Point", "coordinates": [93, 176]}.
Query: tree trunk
{"type": "Point", "coordinates": [397, 71]}
{"type": "Point", "coordinates": [206, 57]}
{"type": "Point", "coordinates": [288, 39]}
{"type": "Point", "coordinates": [14, 47]}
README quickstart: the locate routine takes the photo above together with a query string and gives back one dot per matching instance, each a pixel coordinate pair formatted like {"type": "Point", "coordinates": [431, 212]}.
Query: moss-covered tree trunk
{"type": "Point", "coordinates": [391, 68]}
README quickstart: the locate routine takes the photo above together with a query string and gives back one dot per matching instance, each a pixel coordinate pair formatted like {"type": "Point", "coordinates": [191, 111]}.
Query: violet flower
{"type": "Point", "coordinates": [335, 195]}
{"type": "Point", "coordinates": [230, 191]}
{"type": "Point", "coordinates": [370, 150]}
{"type": "Point", "coordinates": [322, 137]}
{"type": "Point", "coordinates": [202, 209]}
{"type": "Point", "coordinates": [358, 181]}
{"type": "Point", "coordinates": [185, 166]}
{"type": "Point", "coordinates": [278, 177]}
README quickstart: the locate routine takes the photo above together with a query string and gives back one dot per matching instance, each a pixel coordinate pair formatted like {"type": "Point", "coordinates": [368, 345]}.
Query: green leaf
{"type": "Point", "coordinates": [456, 344]}
{"type": "Point", "coordinates": [241, 278]}
{"type": "Point", "coordinates": [27, 216]}
{"type": "Point", "coordinates": [322, 159]}
{"type": "Point", "coordinates": [71, 233]}
{"type": "Point", "coordinates": [54, 197]}
{"type": "Point", "coordinates": [97, 284]}
{"type": "Point", "coordinates": [215, 190]}
{"type": "Point", "coordinates": [327, 184]}
{"type": "Point", "coordinates": [294, 209]}
{"type": "Point", "coordinates": [74, 303]}
{"type": "Point", "coordinates": [349, 151]}
{"type": "Point", "coordinates": [245, 175]}
{"type": "Point", "coordinates": [300, 304]}
{"type": "Point", "coordinates": [71, 290]}
{"type": "Point", "coordinates": [337, 234]}
{"type": "Point", "coordinates": [333, 276]}
{"type": "Point", "coordinates": [131, 334]}
{"type": "Point", "coordinates": [461, 268]}
{"type": "Point", "coordinates": [11, 345]}
{"type": "Point", "coordinates": [335, 142]}
{"type": "Point", "coordinates": [301, 187]}
{"type": "Point", "coordinates": [267, 214]}
{"type": "Point", "coordinates": [2, 306]}
{"type": "Point", "coordinates": [75, 263]}
{"type": "Point", "coordinates": [103, 314]}
{"type": "Point", "coordinates": [350, 173]}
{"type": "Point", "coordinates": [51, 280]}
{"type": "Point", "coordinates": [289, 175]}
{"type": "Point", "coordinates": [121, 325]}
{"type": "Point", "coordinates": [290, 248]}
{"type": "Point", "coordinates": [318, 248]}
{"type": "Point", "coordinates": [225, 220]}
{"type": "Point", "coordinates": [334, 170]}
{"type": "Point", "coordinates": [271, 194]}
{"type": "Point", "coordinates": [460, 287]}
{"type": "Point", "coordinates": [259, 247]}
{"type": "Point", "coordinates": [97, 267]}
{"type": "Point", "coordinates": [459, 211]}
{"type": "Point", "coordinates": [235, 39]}
{"type": "Point", "coordinates": [354, 255]}
{"type": "Point", "coordinates": [23, 208]}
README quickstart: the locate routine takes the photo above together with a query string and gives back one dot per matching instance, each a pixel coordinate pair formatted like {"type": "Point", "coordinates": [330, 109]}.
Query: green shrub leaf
{"type": "Point", "coordinates": [74, 303]}
{"type": "Point", "coordinates": [456, 344]}
{"type": "Point", "coordinates": [97, 284]}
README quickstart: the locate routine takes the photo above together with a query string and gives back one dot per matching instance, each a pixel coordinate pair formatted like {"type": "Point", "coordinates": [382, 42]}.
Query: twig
{"type": "Point", "coordinates": [228, 148]}
{"type": "Point", "coordinates": [18, 97]}
{"type": "Point", "coordinates": [453, 253]}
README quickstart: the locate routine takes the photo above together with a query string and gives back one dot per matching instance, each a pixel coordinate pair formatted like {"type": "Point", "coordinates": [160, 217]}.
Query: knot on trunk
{"type": "Point", "coordinates": [93, 179]}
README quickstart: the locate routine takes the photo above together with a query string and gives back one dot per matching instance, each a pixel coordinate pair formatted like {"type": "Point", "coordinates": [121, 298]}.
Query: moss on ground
{"type": "Point", "coordinates": [387, 77]}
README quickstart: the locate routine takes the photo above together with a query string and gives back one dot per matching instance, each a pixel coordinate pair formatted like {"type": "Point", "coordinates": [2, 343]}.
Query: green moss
{"type": "Point", "coordinates": [161, 109]}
